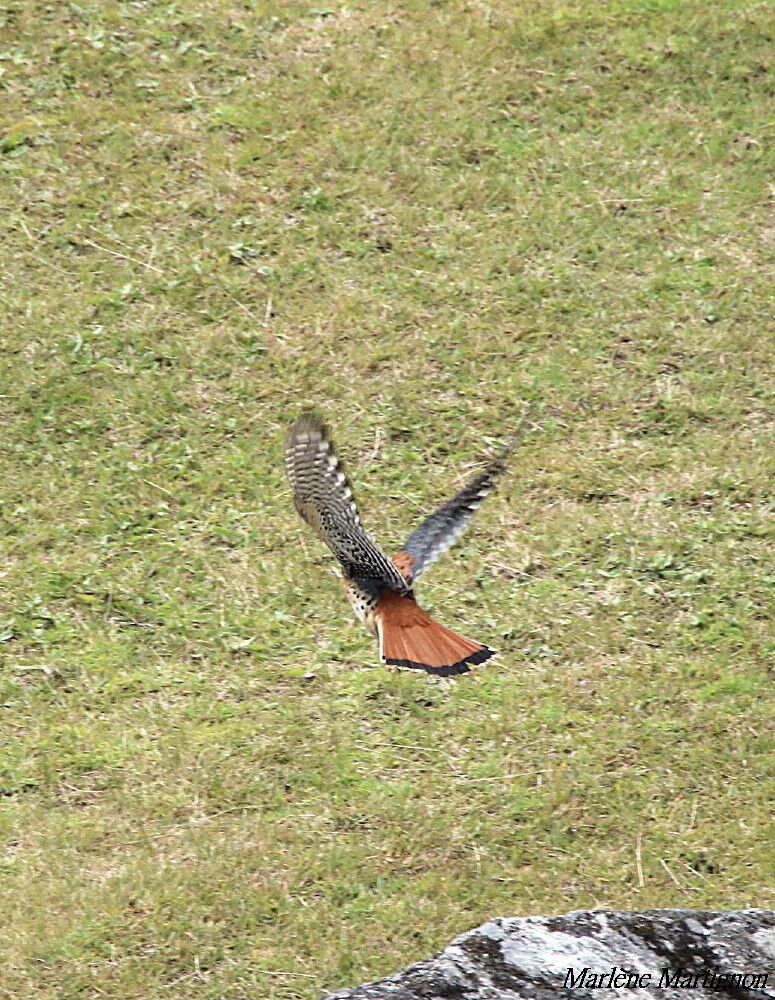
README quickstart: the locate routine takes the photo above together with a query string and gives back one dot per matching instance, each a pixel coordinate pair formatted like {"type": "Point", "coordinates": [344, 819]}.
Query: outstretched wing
{"type": "Point", "coordinates": [438, 531]}
{"type": "Point", "coordinates": [323, 498]}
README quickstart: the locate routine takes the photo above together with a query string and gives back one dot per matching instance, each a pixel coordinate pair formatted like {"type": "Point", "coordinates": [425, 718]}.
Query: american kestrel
{"type": "Point", "coordinates": [380, 589]}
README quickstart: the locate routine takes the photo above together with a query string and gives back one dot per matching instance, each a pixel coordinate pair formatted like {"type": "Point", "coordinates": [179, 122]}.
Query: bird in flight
{"type": "Point", "coordinates": [379, 589]}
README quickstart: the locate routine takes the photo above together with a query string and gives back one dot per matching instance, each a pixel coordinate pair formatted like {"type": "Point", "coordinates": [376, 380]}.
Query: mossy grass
{"type": "Point", "coordinates": [418, 218]}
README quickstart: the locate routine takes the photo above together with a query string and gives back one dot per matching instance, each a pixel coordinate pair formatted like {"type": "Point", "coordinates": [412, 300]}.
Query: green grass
{"type": "Point", "coordinates": [418, 217]}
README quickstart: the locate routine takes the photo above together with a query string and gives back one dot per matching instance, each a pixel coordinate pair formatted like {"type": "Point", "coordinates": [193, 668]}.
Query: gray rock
{"type": "Point", "coordinates": [528, 958]}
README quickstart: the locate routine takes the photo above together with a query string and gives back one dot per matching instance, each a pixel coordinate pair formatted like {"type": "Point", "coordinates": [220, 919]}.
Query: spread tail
{"type": "Point", "coordinates": [408, 637]}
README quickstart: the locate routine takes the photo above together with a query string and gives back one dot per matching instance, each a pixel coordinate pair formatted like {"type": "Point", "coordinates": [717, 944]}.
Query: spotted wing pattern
{"type": "Point", "coordinates": [324, 499]}
{"type": "Point", "coordinates": [438, 531]}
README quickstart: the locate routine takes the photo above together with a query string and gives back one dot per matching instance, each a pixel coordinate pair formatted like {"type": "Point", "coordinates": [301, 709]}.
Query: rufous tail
{"type": "Point", "coordinates": [408, 637]}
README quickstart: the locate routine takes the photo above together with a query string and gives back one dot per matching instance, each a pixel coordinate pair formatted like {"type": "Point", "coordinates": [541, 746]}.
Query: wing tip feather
{"type": "Point", "coordinates": [308, 426]}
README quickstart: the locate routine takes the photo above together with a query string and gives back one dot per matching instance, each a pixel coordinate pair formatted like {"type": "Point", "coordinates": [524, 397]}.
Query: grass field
{"type": "Point", "coordinates": [419, 216]}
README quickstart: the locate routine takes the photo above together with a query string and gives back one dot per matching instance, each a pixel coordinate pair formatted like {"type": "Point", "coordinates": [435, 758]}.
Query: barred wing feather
{"type": "Point", "coordinates": [438, 531]}
{"type": "Point", "coordinates": [324, 499]}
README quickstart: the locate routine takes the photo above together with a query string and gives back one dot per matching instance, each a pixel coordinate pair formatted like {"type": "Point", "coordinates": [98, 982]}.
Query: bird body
{"type": "Point", "coordinates": [380, 590]}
